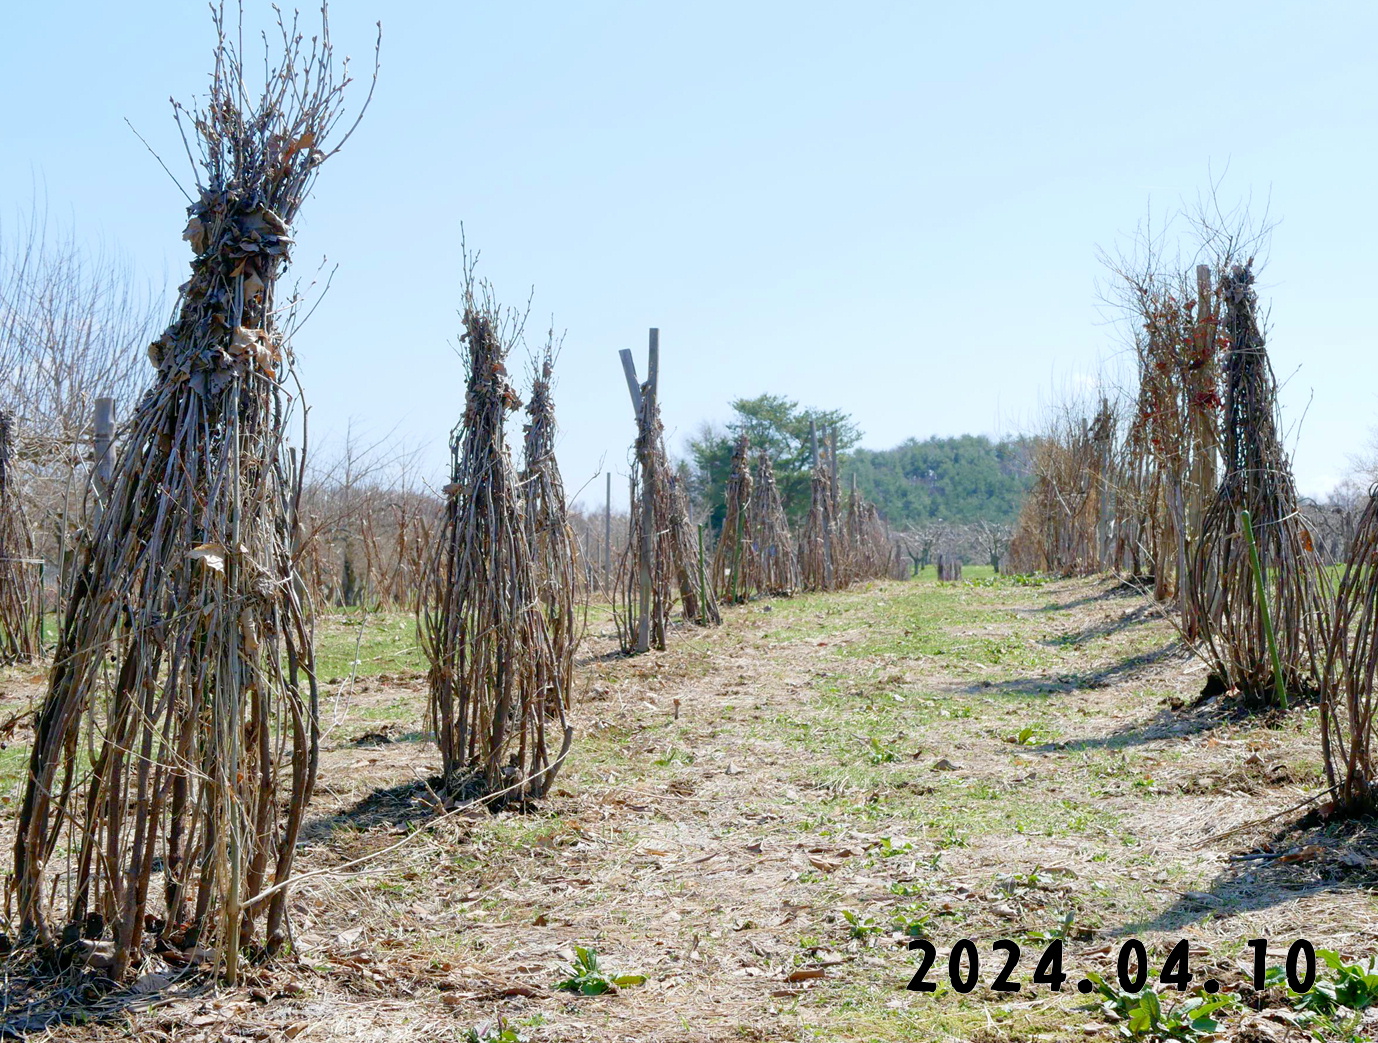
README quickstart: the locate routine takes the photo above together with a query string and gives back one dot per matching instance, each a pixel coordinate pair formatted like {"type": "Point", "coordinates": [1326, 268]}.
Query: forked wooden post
{"type": "Point", "coordinates": [648, 489]}
{"type": "Point", "coordinates": [644, 403]}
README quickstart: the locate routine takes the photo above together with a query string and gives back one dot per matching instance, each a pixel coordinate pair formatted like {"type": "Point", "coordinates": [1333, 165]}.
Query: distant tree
{"type": "Point", "coordinates": [780, 427]}
{"type": "Point", "coordinates": [962, 479]}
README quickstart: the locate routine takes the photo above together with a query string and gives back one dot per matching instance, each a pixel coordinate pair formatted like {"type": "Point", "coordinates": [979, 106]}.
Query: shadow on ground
{"type": "Point", "coordinates": [1126, 669]}
{"type": "Point", "coordinates": [396, 806]}
{"type": "Point", "coordinates": [1118, 590]}
{"type": "Point", "coordinates": [1333, 857]}
{"type": "Point", "coordinates": [1106, 628]}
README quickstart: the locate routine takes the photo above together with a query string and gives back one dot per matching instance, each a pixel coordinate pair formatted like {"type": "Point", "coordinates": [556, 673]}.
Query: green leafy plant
{"type": "Point", "coordinates": [1062, 932]}
{"type": "Point", "coordinates": [879, 754]}
{"type": "Point", "coordinates": [587, 977]}
{"type": "Point", "coordinates": [861, 926]}
{"type": "Point", "coordinates": [1335, 1003]}
{"type": "Point", "coordinates": [889, 849]}
{"type": "Point", "coordinates": [1143, 1016]}
{"type": "Point", "coordinates": [497, 1032]}
{"type": "Point", "coordinates": [913, 920]}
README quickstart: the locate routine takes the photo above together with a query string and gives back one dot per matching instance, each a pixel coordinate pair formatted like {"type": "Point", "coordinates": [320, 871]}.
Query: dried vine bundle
{"type": "Point", "coordinates": [1174, 434]}
{"type": "Point", "coordinates": [869, 553]}
{"type": "Point", "coordinates": [656, 562]}
{"type": "Point", "coordinates": [184, 670]}
{"type": "Point", "coordinates": [734, 571]}
{"type": "Point", "coordinates": [773, 547]}
{"type": "Point", "coordinates": [697, 603]}
{"type": "Point", "coordinates": [817, 565]}
{"type": "Point", "coordinates": [1225, 582]}
{"type": "Point", "coordinates": [553, 551]}
{"type": "Point", "coordinates": [21, 607]}
{"type": "Point", "coordinates": [1348, 705]}
{"type": "Point", "coordinates": [1063, 524]}
{"type": "Point", "coordinates": [498, 684]}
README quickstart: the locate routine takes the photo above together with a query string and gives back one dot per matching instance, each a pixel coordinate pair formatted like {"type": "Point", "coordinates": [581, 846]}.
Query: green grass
{"type": "Point", "coordinates": [355, 641]}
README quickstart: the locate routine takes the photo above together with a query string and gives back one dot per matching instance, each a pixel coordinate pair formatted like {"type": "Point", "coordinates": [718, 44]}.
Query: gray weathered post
{"type": "Point", "coordinates": [832, 464]}
{"type": "Point", "coordinates": [648, 488]}
{"type": "Point", "coordinates": [104, 463]}
{"type": "Point", "coordinates": [644, 402]}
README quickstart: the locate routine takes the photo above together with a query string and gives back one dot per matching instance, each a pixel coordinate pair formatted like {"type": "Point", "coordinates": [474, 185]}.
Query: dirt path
{"type": "Point", "coordinates": [755, 820]}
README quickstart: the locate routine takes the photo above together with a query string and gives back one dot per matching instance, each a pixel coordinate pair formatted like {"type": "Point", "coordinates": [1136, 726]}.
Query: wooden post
{"type": "Point", "coordinates": [813, 442]}
{"type": "Point", "coordinates": [648, 488]}
{"type": "Point", "coordinates": [832, 464]}
{"type": "Point", "coordinates": [607, 538]}
{"type": "Point", "coordinates": [104, 465]}
{"type": "Point", "coordinates": [633, 388]}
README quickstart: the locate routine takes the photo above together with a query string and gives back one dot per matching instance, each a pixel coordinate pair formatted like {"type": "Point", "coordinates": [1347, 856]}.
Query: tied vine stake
{"type": "Point", "coordinates": [176, 749]}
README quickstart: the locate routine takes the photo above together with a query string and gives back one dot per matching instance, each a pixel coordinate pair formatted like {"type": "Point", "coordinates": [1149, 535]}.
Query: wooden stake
{"type": "Point", "coordinates": [648, 490]}
{"type": "Point", "coordinates": [104, 437]}
{"type": "Point", "coordinates": [607, 538]}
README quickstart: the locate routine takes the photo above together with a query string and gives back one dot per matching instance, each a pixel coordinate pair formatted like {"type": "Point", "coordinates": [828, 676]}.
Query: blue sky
{"type": "Point", "coordinates": [889, 208]}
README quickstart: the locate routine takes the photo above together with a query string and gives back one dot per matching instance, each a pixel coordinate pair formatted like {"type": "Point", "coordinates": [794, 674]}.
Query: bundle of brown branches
{"type": "Point", "coordinates": [1256, 582]}
{"type": "Point", "coordinates": [697, 603]}
{"type": "Point", "coordinates": [21, 607]}
{"type": "Point", "coordinates": [1173, 437]}
{"type": "Point", "coordinates": [184, 670]}
{"type": "Point", "coordinates": [867, 540]}
{"type": "Point", "coordinates": [671, 558]}
{"type": "Point", "coordinates": [1348, 706]}
{"type": "Point", "coordinates": [773, 546]}
{"type": "Point", "coordinates": [498, 684]}
{"type": "Point", "coordinates": [1063, 523]}
{"type": "Point", "coordinates": [817, 564]}
{"type": "Point", "coordinates": [554, 557]}
{"type": "Point", "coordinates": [650, 557]}
{"type": "Point", "coordinates": [734, 561]}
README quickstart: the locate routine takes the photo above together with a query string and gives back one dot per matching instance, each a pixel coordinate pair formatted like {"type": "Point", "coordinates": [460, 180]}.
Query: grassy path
{"type": "Point", "coordinates": [758, 818]}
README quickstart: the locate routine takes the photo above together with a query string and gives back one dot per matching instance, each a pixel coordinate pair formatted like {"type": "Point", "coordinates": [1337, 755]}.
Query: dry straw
{"type": "Point", "coordinates": [178, 738]}
{"type": "Point", "coordinates": [498, 682]}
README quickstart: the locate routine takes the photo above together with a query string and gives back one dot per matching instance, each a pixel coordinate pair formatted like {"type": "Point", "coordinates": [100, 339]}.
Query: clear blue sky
{"type": "Point", "coordinates": [888, 208]}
